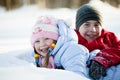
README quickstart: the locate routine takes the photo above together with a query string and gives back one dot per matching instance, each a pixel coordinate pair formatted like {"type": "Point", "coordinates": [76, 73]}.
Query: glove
{"type": "Point", "coordinates": [96, 70]}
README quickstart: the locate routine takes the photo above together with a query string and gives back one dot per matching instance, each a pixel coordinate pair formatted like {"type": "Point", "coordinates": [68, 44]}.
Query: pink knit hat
{"type": "Point", "coordinates": [45, 27]}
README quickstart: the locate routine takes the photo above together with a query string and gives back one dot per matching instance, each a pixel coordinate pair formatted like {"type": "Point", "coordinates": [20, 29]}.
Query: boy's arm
{"type": "Point", "coordinates": [108, 57]}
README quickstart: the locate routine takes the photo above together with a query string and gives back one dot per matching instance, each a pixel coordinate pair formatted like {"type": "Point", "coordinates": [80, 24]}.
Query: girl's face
{"type": "Point", "coordinates": [42, 45]}
{"type": "Point", "coordinates": [90, 30]}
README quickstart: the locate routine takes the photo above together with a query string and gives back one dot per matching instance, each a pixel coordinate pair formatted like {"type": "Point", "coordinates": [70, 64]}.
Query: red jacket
{"type": "Point", "coordinates": [109, 45]}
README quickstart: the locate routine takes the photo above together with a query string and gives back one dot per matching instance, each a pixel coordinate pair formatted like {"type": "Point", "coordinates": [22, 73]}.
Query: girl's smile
{"type": "Point", "coordinates": [42, 45]}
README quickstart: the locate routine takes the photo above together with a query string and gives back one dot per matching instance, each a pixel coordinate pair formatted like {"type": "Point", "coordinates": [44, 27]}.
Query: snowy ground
{"type": "Point", "coordinates": [31, 73]}
{"type": "Point", "coordinates": [15, 32]}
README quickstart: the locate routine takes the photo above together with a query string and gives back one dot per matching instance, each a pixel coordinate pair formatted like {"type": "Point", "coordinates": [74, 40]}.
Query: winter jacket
{"type": "Point", "coordinates": [112, 72]}
{"type": "Point", "coordinates": [109, 47]}
{"type": "Point", "coordinates": [67, 53]}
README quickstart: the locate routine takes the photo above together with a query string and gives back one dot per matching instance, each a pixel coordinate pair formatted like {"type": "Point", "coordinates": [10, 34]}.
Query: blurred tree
{"type": "Point", "coordinates": [11, 4]}
{"type": "Point", "coordinates": [65, 3]}
{"type": "Point", "coordinates": [114, 3]}
{"type": "Point", "coordinates": [27, 2]}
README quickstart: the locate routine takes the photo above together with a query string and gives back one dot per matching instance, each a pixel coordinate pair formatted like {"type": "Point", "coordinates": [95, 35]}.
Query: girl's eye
{"type": "Point", "coordinates": [37, 41]}
{"type": "Point", "coordinates": [46, 38]}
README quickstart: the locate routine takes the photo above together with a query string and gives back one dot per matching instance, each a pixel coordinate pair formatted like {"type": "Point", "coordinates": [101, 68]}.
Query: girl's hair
{"type": "Point", "coordinates": [46, 61]}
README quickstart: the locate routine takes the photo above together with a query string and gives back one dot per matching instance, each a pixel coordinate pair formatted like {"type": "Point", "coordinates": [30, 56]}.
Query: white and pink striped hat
{"type": "Point", "coordinates": [46, 27]}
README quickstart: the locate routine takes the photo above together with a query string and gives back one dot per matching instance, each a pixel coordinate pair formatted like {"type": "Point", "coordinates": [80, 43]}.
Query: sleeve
{"type": "Point", "coordinates": [74, 59]}
{"type": "Point", "coordinates": [112, 40]}
{"type": "Point", "coordinates": [108, 57]}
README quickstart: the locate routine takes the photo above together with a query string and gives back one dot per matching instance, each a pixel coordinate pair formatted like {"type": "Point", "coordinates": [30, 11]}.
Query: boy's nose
{"type": "Point", "coordinates": [92, 29]}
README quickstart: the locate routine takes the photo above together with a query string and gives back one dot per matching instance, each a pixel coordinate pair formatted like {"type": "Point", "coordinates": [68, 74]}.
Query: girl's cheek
{"type": "Point", "coordinates": [49, 41]}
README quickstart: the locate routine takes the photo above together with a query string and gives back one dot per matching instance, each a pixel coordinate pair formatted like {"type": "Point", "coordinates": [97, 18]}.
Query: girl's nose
{"type": "Point", "coordinates": [42, 43]}
{"type": "Point", "coordinates": [41, 46]}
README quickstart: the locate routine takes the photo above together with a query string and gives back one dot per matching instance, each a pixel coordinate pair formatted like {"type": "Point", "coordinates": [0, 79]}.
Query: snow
{"type": "Point", "coordinates": [15, 32]}
{"type": "Point", "coordinates": [19, 66]}
{"type": "Point", "coordinates": [31, 73]}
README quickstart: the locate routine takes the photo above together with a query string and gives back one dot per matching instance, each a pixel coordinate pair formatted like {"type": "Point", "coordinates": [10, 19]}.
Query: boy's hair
{"type": "Point", "coordinates": [85, 13]}
{"type": "Point", "coordinates": [45, 26]}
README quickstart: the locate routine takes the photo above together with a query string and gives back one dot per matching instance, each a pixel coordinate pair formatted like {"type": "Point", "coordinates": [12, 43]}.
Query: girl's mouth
{"type": "Point", "coordinates": [44, 50]}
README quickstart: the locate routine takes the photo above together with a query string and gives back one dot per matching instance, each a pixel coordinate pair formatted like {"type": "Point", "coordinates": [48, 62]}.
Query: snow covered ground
{"type": "Point", "coordinates": [31, 73]}
{"type": "Point", "coordinates": [15, 32]}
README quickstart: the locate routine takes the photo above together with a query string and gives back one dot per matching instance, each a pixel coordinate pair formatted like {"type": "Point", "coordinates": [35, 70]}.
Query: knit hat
{"type": "Point", "coordinates": [45, 27]}
{"type": "Point", "coordinates": [85, 13]}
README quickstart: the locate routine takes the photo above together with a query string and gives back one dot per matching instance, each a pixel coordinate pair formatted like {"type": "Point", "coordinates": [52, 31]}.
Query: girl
{"type": "Point", "coordinates": [55, 47]}
{"type": "Point", "coordinates": [102, 44]}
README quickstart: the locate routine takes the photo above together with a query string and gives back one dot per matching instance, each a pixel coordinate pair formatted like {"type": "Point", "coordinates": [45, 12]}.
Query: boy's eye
{"type": "Point", "coordinates": [86, 24]}
{"type": "Point", "coordinates": [96, 25]}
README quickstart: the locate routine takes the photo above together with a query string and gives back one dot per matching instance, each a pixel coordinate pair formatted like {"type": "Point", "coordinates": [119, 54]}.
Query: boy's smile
{"type": "Point", "coordinates": [90, 30]}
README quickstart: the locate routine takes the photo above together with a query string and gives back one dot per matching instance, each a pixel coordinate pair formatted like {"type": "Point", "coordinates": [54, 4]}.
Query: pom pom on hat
{"type": "Point", "coordinates": [46, 27]}
{"type": "Point", "coordinates": [85, 13]}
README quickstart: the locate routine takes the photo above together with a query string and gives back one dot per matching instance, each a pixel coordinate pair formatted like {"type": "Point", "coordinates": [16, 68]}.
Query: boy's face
{"type": "Point", "coordinates": [90, 30]}
{"type": "Point", "coordinates": [42, 45]}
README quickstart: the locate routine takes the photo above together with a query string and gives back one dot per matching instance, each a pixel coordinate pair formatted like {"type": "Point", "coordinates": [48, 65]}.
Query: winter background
{"type": "Point", "coordinates": [15, 32]}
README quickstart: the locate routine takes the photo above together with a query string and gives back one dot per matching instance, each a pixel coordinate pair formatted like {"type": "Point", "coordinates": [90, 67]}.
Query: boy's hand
{"type": "Point", "coordinates": [96, 70]}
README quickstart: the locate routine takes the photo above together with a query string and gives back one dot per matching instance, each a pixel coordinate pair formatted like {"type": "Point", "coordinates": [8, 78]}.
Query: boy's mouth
{"type": "Point", "coordinates": [92, 36]}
